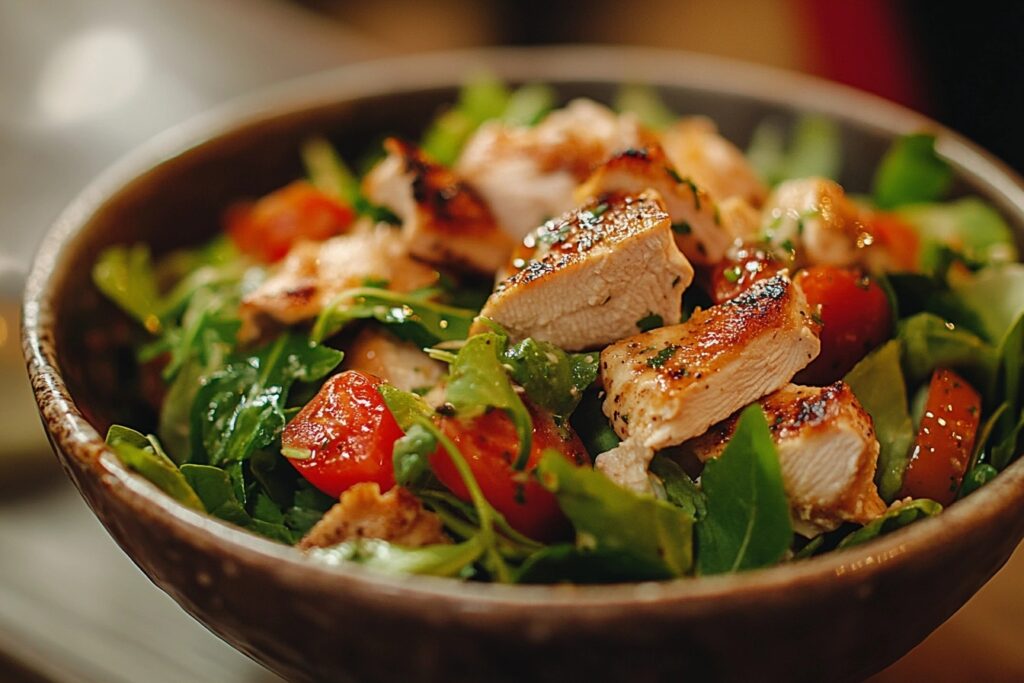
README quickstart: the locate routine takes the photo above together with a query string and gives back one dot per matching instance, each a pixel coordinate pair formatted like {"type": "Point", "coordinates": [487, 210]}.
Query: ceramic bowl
{"type": "Point", "coordinates": [841, 616]}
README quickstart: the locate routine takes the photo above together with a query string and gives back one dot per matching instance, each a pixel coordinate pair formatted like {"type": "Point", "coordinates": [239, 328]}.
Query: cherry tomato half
{"type": "Point", "coordinates": [855, 318]}
{"type": "Point", "coordinates": [945, 439]}
{"type": "Point", "coordinates": [268, 228]}
{"type": "Point", "coordinates": [735, 275]}
{"type": "Point", "coordinates": [898, 243]}
{"type": "Point", "coordinates": [344, 436]}
{"type": "Point", "coordinates": [489, 444]}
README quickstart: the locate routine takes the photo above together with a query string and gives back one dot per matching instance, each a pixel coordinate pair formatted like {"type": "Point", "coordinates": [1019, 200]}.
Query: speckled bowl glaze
{"type": "Point", "coordinates": [838, 617]}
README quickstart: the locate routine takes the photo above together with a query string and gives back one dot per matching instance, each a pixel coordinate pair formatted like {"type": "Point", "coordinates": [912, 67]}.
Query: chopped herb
{"type": "Point", "coordinates": [682, 228]}
{"type": "Point", "coordinates": [649, 322]}
{"type": "Point", "coordinates": [732, 274]}
{"type": "Point", "coordinates": [661, 357]}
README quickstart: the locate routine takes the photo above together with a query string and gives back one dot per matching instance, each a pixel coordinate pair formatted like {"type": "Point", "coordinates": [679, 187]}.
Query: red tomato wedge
{"type": "Point", "coordinates": [489, 445]}
{"type": "Point", "coordinates": [344, 436]}
{"type": "Point", "coordinates": [945, 439]}
{"type": "Point", "coordinates": [268, 228]}
{"type": "Point", "coordinates": [855, 318]}
{"type": "Point", "coordinates": [900, 242]}
{"type": "Point", "coordinates": [734, 276]}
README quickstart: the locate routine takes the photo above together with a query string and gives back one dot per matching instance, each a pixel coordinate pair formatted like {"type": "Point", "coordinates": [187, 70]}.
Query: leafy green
{"type": "Point", "coordinates": [929, 342]}
{"type": "Point", "coordinates": [126, 276]}
{"type": "Point", "coordinates": [976, 477]}
{"type": "Point", "coordinates": [406, 407]}
{"type": "Point", "coordinates": [216, 490]}
{"type": "Point", "coordinates": [433, 560]}
{"type": "Point", "coordinates": [477, 381]}
{"type": "Point", "coordinates": [877, 382]}
{"type": "Point", "coordinates": [568, 563]}
{"type": "Point", "coordinates": [996, 295]}
{"type": "Point", "coordinates": [528, 104]}
{"type": "Point", "coordinates": [593, 428]}
{"type": "Point", "coordinates": [679, 489]}
{"type": "Point", "coordinates": [646, 103]}
{"type": "Point", "coordinates": [970, 226]}
{"type": "Point", "coordinates": [893, 519]}
{"type": "Point", "coordinates": [815, 150]}
{"type": "Point", "coordinates": [610, 519]}
{"type": "Point", "coordinates": [411, 456]}
{"type": "Point", "coordinates": [240, 407]}
{"type": "Point", "coordinates": [552, 378]}
{"type": "Point", "coordinates": [480, 99]}
{"type": "Point", "coordinates": [911, 172]}
{"type": "Point", "coordinates": [649, 322]}
{"type": "Point", "coordinates": [411, 316]}
{"type": "Point", "coordinates": [328, 172]}
{"type": "Point", "coordinates": [144, 455]}
{"type": "Point", "coordinates": [747, 523]}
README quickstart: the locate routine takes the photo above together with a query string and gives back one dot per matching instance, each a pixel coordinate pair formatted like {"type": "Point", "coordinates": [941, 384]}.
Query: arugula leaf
{"type": "Point", "coordinates": [969, 226]}
{"type": "Point", "coordinates": [528, 104]}
{"type": "Point", "coordinates": [240, 408]}
{"type": "Point", "coordinates": [747, 523]}
{"type": "Point", "coordinates": [646, 103]}
{"type": "Point", "coordinates": [610, 519]}
{"type": "Point", "coordinates": [680, 490]}
{"type": "Point", "coordinates": [815, 150]}
{"type": "Point", "coordinates": [877, 382]}
{"type": "Point", "coordinates": [976, 477]}
{"type": "Point", "coordinates": [406, 407]}
{"type": "Point", "coordinates": [477, 381]}
{"type": "Point", "coordinates": [649, 322]}
{"type": "Point", "coordinates": [552, 378]}
{"type": "Point", "coordinates": [411, 316]}
{"type": "Point", "coordinates": [433, 560]}
{"type": "Point", "coordinates": [126, 276]}
{"type": "Point", "coordinates": [893, 519]}
{"type": "Point", "coordinates": [996, 295]}
{"type": "Point", "coordinates": [568, 563]}
{"type": "Point", "coordinates": [144, 455]}
{"type": "Point", "coordinates": [411, 457]}
{"type": "Point", "coordinates": [593, 428]}
{"type": "Point", "coordinates": [480, 99]}
{"type": "Point", "coordinates": [911, 172]}
{"type": "Point", "coordinates": [328, 173]}
{"type": "Point", "coordinates": [929, 342]}
{"type": "Point", "coordinates": [216, 490]}
{"type": "Point", "coordinates": [913, 293]}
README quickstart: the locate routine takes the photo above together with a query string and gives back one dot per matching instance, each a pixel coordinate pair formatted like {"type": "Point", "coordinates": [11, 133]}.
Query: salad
{"type": "Point", "coordinates": [581, 343]}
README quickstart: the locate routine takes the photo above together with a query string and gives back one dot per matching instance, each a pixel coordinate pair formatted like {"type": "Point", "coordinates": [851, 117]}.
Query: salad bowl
{"type": "Point", "coordinates": [840, 616]}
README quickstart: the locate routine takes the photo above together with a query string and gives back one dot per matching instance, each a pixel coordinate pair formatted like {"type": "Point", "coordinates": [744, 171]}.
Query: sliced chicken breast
{"type": "Point", "coordinates": [827, 452]}
{"type": "Point", "coordinates": [670, 384]}
{"type": "Point", "coordinates": [626, 465]}
{"type": "Point", "coordinates": [697, 151]}
{"type": "Point", "coordinates": [695, 217]}
{"type": "Point", "coordinates": [814, 217]}
{"type": "Point", "coordinates": [363, 512]}
{"type": "Point", "coordinates": [444, 221]}
{"type": "Point", "coordinates": [399, 363]}
{"type": "Point", "coordinates": [527, 174]}
{"type": "Point", "coordinates": [595, 273]}
{"type": "Point", "coordinates": [314, 273]}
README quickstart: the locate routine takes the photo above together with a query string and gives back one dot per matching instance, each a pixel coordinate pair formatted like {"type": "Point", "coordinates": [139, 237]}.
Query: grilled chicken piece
{"type": "Point", "coordinates": [670, 384]}
{"type": "Point", "coordinates": [827, 451]}
{"type": "Point", "coordinates": [314, 273]}
{"type": "Point", "coordinates": [741, 220]}
{"type": "Point", "coordinates": [528, 174]}
{"type": "Point", "coordinates": [814, 216]}
{"type": "Point", "coordinates": [444, 221]}
{"type": "Point", "coordinates": [695, 218]}
{"type": "Point", "coordinates": [695, 148]}
{"type": "Point", "coordinates": [363, 512]}
{"type": "Point", "coordinates": [399, 363]}
{"type": "Point", "coordinates": [595, 273]}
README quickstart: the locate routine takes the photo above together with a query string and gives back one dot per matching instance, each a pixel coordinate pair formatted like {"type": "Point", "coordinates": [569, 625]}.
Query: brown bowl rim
{"type": "Point", "coordinates": [73, 436]}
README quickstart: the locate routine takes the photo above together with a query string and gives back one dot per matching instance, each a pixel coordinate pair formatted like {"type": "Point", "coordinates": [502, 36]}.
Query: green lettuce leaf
{"type": "Point", "coordinates": [240, 408]}
{"type": "Point", "coordinates": [593, 428]}
{"type": "Point", "coordinates": [815, 150]}
{"type": "Point", "coordinates": [911, 172]}
{"type": "Point", "coordinates": [747, 523]}
{"type": "Point", "coordinates": [127, 277]}
{"type": "Point", "coordinates": [877, 382]}
{"type": "Point", "coordinates": [528, 104]}
{"type": "Point", "coordinates": [144, 455]}
{"type": "Point", "coordinates": [610, 519]}
{"type": "Point", "coordinates": [929, 342]}
{"type": "Point", "coordinates": [412, 316]}
{"type": "Point", "coordinates": [971, 227]}
{"type": "Point", "coordinates": [477, 381]}
{"type": "Point", "coordinates": [568, 563]}
{"type": "Point", "coordinates": [646, 104]}
{"type": "Point", "coordinates": [433, 560]}
{"type": "Point", "coordinates": [893, 519]}
{"type": "Point", "coordinates": [552, 378]}
{"type": "Point", "coordinates": [679, 489]}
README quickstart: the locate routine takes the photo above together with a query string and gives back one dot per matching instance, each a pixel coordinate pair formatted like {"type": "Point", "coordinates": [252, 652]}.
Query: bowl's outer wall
{"type": "Point", "coordinates": [844, 622]}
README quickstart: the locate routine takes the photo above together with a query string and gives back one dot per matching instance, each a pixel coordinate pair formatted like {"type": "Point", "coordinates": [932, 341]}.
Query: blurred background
{"type": "Point", "coordinates": [83, 81]}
